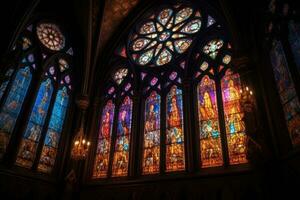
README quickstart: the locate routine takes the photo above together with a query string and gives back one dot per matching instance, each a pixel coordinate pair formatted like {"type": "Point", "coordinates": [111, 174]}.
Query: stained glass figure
{"type": "Point", "coordinates": [32, 134]}
{"type": "Point", "coordinates": [12, 105]}
{"type": "Point", "coordinates": [294, 40]}
{"type": "Point", "coordinates": [175, 160]}
{"type": "Point", "coordinates": [104, 141]}
{"type": "Point", "coordinates": [226, 59]}
{"type": "Point", "coordinates": [213, 47]}
{"type": "Point", "coordinates": [120, 75]}
{"type": "Point", "coordinates": [151, 150]}
{"type": "Point", "coordinates": [26, 43]}
{"type": "Point", "coordinates": [286, 89]}
{"type": "Point", "coordinates": [121, 153]}
{"type": "Point", "coordinates": [161, 37]}
{"type": "Point", "coordinates": [63, 64]}
{"type": "Point", "coordinates": [53, 134]}
{"type": "Point", "coordinates": [50, 36]}
{"type": "Point", "coordinates": [210, 141]}
{"type": "Point", "coordinates": [235, 126]}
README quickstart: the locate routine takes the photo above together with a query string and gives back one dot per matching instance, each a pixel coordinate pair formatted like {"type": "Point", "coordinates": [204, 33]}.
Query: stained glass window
{"type": "Point", "coordinates": [32, 134]}
{"type": "Point", "coordinates": [120, 75]}
{"type": "Point", "coordinates": [50, 36]}
{"type": "Point", "coordinates": [210, 142]}
{"type": "Point", "coordinates": [174, 134]}
{"type": "Point", "coordinates": [151, 153]}
{"type": "Point", "coordinates": [13, 104]}
{"type": "Point", "coordinates": [213, 47]}
{"type": "Point", "coordinates": [169, 33]}
{"type": "Point", "coordinates": [287, 92]}
{"type": "Point", "coordinates": [104, 141]}
{"type": "Point", "coordinates": [121, 153]}
{"type": "Point", "coordinates": [53, 134]}
{"type": "Point", "coordinates": [235, 126]}
{"type": "Point", "coordinates": [294, 40]}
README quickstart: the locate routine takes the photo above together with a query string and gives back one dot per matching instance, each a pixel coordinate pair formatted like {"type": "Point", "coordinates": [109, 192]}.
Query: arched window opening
{"type": "Point", "coordinates": [121, 149]}
{"type": "Point", "coordinates": [151, 146]}
{"type": "Point", "coordinates": [286, 89]}
{"type": "Point", "coordinates": [175, 154]}
{"type": "Point", "coordinates": [235, 126]}
{"type": "Point", "coordinates": [171, 48]}
{"type": "Point", "coordinates": [210, 141]}
{"type": "Point", "coordinates": [104, 140]}
{"type": "Point", "coordinates": [46, 60]}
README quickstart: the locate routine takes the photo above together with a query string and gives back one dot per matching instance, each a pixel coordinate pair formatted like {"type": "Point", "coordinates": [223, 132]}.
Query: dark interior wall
{"type": "Point", "coordinates": [238, 186]}
{"type": "Point", "coordinates": [278, 178]}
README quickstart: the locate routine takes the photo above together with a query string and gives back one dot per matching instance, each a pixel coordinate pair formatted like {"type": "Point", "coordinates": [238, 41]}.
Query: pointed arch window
{"type": "Point", "coordinates": [121, 149]}
{"type": "Point", "coordinates": [173, 49]}
{"type": "Point", "coordinates": [210, 141]}
{"type": "Point", "coordinates": [151, 146]}
{"type": "Point", "coordinates": [219, 88]}
{"type": "Point", "coordinates": [287, 92]}
{"type": "Point", "coordinates": [16, 94]}
{"type": "Point", "coordinates": [114, 133]}
{"type": "Point", "coordinates": [35, 125]}
{"type": "Point", "coordinates": [45, 60]}
{"type": "Point", "coordinates": [175, 158]}
{"type": "Point", "coordinates": [235, 126]}
{"type": "Point", "coordinates": [104, 140]}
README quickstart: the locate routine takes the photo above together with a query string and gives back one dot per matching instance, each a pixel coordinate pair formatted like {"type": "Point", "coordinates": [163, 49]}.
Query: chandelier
{"type": "Point", "coordinates": [247, 99]}
{"type": "Point", "coordinates": [80, 146]}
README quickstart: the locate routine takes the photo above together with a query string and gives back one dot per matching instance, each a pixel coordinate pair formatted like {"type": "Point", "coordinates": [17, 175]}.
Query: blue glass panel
{"type": "Point", "coordinates": [54, 131]}
{"type": "Point", "coordinates": [12, 105]}
{"type": "Point", "coordinates": [287, 92]}
{"type": "Point", "coordinates": [34, 128]}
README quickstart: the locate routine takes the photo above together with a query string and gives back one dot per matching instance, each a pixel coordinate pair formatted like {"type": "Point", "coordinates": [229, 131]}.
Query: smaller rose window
{"type": "Point", "coordinates": [120, 75]}
{"type": "Point", "coordinates": [213, 47]}
{"type": "Point", "coordinates": [50, 36]}
{"type": "Point", "coordinates": [163, 36]}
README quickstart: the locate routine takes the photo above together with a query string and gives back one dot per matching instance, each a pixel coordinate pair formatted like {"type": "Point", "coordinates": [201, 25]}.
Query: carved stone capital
{"type": "Point", "coordinates": [82, 102]}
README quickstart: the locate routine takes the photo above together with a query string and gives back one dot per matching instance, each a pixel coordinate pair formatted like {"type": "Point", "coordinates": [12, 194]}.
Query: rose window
{"type": "Point", "coordinates": [163, 36]}
{"type": "Point", "coordinates": [213, 47]}
{"type": "Point", "coordinates": [50, 36]}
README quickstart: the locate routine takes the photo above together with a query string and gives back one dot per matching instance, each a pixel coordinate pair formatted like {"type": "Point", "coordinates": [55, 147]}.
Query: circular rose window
{"type": "Point", "coordinates": [163, 36]}
{"type": "Point", "coordinates": [50, 36]}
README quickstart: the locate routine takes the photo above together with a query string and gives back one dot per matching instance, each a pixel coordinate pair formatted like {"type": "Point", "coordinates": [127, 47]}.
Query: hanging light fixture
{"type": "Point", "coordinates": [80, 146]}
{"type": "Point", "coordinates": [247, 99]}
